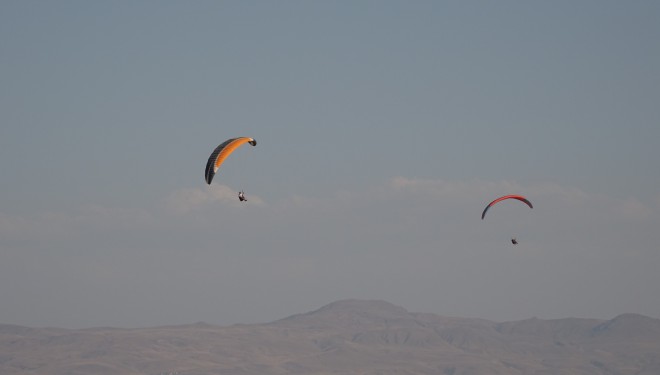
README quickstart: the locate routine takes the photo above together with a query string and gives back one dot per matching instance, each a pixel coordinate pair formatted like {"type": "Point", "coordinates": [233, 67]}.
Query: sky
{"type": "Point", "coordinates": [383, 128]}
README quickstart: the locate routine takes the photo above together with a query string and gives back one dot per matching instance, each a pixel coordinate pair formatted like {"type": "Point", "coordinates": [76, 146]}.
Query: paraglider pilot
{"type": "Point", "coordinates": [514, 241]}
{"type": "Point", "coordinates": [241, 196]}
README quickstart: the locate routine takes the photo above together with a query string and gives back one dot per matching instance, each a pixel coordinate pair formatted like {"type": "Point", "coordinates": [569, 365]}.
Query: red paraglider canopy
{"type": "Point", "coordinates": [518, 197]}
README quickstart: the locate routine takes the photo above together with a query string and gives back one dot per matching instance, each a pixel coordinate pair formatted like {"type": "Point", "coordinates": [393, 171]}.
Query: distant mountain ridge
{"type": "Point", "coordinates": [344, 337]}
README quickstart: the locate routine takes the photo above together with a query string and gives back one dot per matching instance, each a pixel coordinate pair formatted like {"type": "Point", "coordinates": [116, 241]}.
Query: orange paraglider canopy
{"type": "Point", "coordinates": [221, 153]}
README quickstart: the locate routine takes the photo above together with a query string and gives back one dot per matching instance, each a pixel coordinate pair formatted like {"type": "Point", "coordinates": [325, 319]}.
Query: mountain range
{"type": "Point", "coordinates": [344, 337]}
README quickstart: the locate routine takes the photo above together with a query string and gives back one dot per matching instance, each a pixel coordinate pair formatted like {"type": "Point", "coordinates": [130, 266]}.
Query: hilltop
{"type": "Point", "coordinates": [344, 337]}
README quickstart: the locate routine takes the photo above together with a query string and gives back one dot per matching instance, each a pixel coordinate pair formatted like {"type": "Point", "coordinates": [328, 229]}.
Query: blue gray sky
{"type": "Point", "coordinates": [384, 129]}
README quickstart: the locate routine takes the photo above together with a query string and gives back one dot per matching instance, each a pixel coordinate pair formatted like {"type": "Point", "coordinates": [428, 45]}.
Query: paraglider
{"type": "Point", "coordinates": [518, 197]}
{"type": "Point", "coordinates": [514, 240]}
{"type": "Point", "coordinates": [221, 153]}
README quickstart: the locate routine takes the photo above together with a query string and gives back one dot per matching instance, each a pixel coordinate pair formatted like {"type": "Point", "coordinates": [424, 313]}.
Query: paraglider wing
{"type": "Point", "coordinates": [221, 152]}
{"type": "Point", "coordinates": [518, 197]}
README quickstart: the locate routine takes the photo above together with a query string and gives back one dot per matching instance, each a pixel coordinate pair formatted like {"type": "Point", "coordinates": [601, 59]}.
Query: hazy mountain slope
{"type": "Point", "coordinates": [344, 337]}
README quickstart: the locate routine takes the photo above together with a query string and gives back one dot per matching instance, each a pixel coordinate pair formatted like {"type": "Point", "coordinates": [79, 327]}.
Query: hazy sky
{"type": "Point", "coordinates": [383, 129]}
